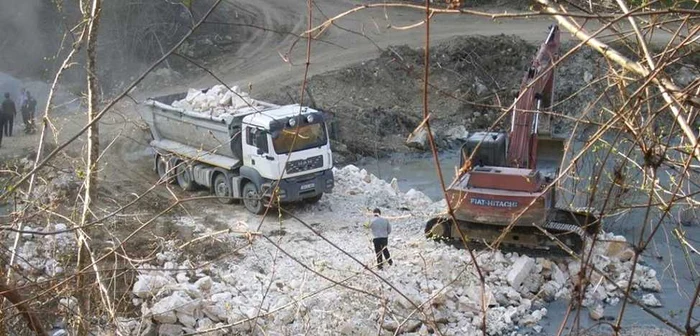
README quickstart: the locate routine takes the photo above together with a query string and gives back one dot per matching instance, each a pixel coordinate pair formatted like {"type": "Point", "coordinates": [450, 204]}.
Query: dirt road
{"type": "Point", "coordinates": [352, 39]}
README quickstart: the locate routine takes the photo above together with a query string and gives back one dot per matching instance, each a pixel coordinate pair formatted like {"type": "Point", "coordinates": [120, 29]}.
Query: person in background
{"type": "Point", "coordinates": [22, 97]}
{"type": "Point", "coordinates": [380, 231]}
{"type": "Point", "coordinates": [28, 109]}
{"type": "Point", "coordinates": [9, 111]}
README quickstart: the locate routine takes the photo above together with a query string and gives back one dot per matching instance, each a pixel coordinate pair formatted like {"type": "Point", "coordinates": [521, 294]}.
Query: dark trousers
{"type": "Point", "coordinates": [380, 248]}
{"type": "Point", "coordinates": [9, 122]}
{"type": "Point", "coordinates": [28, 120]}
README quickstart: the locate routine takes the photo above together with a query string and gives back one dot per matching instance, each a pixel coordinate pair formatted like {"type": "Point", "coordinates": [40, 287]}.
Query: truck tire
{"type": "Point", "coordinates": [184, 177]}
{"type": "Point", "coordinates": [163, 169]}
{"type": "Point", "coordinates": [222, 189]}
{"type": "Point", "coordinates": [251, 199]}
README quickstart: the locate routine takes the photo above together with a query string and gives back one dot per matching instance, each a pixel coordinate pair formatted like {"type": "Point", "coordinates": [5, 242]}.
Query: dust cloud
{"type": "Point", "coordinates": [28, 34]}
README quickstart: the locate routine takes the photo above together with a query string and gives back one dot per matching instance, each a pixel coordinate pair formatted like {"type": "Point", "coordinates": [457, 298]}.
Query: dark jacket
{"type": "Point", "coordinates": [8, 108]}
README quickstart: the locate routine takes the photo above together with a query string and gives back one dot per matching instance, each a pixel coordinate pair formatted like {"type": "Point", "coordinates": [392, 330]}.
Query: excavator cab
{"type": "Point", "coordinates": [489, 149]}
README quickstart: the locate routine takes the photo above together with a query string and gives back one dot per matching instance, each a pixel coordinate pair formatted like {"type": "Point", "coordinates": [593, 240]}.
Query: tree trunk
{"type": "Point", "coordinates": [93, 153]}
{"type": "Point", "coordinates": [29, 316]}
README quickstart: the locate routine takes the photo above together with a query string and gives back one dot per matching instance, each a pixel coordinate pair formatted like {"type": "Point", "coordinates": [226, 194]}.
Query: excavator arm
{"type": "Point", "coordinates": [536, 95]}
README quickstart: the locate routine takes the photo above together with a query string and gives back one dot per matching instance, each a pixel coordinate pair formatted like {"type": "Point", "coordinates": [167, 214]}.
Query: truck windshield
{"type": "Point", "coordinates": [310, 136]}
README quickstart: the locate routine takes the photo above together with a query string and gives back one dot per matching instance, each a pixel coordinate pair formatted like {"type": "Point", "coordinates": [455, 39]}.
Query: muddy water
{"type": "Point", "coordinates": [676, 268]}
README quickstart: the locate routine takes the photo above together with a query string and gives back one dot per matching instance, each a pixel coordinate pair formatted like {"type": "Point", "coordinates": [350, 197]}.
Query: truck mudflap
{"type": "Point", "coordinates": [298, 188]}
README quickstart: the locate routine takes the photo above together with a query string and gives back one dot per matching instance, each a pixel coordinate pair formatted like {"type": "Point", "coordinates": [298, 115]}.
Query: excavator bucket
{"type": "Point", "coordinates": [550, 152]}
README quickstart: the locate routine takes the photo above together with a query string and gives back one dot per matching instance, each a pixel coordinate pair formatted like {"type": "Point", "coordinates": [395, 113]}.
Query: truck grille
{"type": "Point", "coordinates": [297, 166]}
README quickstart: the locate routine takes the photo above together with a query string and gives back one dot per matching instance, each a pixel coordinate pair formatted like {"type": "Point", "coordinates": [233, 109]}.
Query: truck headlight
{"type": "Point", "coordinates": [310, 118]}
{"type": "Point", "coordinates": [282, 193]}
{"type": "Point", "coordinates": [292, 122]}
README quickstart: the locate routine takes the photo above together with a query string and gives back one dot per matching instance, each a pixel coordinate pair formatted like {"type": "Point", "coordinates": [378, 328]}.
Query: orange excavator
{"type": "Point", "coordinates": [505, 191]}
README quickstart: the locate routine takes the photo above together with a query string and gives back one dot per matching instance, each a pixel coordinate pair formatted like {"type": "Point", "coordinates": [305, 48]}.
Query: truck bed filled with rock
{"type": "Point", "coordinates": [325, 282]}
{"type": "Point", "coordinates": [216, 101]}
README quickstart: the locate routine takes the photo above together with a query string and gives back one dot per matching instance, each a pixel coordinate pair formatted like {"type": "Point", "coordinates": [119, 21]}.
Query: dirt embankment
{"type": "Point", "coordinates": [377, 103]}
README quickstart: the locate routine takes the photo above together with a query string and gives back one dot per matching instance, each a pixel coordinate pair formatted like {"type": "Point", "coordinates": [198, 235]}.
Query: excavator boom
{"type": "Point", "coordinates": [536, 94]}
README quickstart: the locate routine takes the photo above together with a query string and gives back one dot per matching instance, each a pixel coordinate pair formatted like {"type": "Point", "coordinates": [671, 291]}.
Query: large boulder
{"type": "Point", "coordinates": [520, 271]}
{"type": "Point", "coordinates": [418, 139]}
{"type": "Point", "coordinates": [164, 311]}
{"type": "Point", "coordinates": [150, 284]}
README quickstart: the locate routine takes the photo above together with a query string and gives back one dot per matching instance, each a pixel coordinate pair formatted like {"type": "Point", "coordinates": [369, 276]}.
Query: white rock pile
{"type": "Point", "coordinates": [216, 101]}
{"type": "Point", "coordinates": [366, 190]}
{"type": "Point", "coordinates": [430, 286]}
{"type": "Point", "coordinates": [38, 255]}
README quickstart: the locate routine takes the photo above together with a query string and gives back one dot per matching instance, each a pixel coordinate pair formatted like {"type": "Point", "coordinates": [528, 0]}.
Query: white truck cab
{"type": "Point", "coordinates": [293, 137]}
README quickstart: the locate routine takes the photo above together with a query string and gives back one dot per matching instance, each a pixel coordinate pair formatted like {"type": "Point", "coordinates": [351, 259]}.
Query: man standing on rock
{"type": "Point", "coordinates": [380, 231]}
{"type": "Point", "coordinates": [9, 110]}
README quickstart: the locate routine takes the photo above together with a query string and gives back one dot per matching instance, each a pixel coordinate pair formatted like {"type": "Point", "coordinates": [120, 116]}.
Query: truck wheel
{"type": "Point", "coordinates": [313, 200]}
{"type": "Point", "coordinates": [438, 228]}
{"type": "Point", "coordinates": [252, 199]}
{"type": "Point", "coordinates": [184, 177]}
{"type": "Point", "coordinates": [163, 169]}
{"type": "Point", "coordinates": [222, 189]}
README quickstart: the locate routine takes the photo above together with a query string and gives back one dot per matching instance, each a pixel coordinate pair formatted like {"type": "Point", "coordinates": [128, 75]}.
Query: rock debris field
{"type": "Point", "coordinates": [302, 281]}
{"type": "Point", "coordinates": [431, 285]}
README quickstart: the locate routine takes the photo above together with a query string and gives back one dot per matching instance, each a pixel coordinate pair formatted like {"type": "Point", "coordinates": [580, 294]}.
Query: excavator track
{"type": "Point", "coordinates": [571, 233]}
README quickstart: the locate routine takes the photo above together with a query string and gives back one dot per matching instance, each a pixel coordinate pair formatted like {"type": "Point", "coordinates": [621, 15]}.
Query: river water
{"type": "Point", "coordinates": [414, 171]}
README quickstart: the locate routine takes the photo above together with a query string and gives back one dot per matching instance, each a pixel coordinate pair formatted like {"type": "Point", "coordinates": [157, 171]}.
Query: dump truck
{"type": "Point", "coordinates": [505, 192]}
{"type": "Point", "coordinates": [256, 153]}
